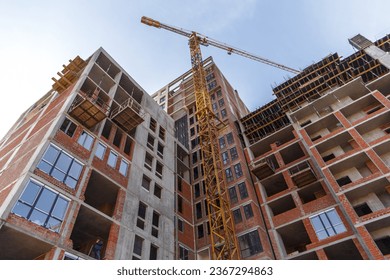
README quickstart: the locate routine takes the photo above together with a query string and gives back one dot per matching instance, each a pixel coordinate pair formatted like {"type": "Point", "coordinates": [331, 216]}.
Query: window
{"type": "Point", "coordinates": [118, 137]}
{"type": "Point", "coordinates": [238, 170]}
{"type": "Point", "coordinates": [60, 166]}
{"type": "Point", "coordinates": [229, 175]}
{"type": "Point", "coordinates": [191, 120]}
{"type": "Point", "coordinates": [194, 157]}
{"type": "Point", "coordinates": [328, 157]}
{"type": "Point", "coordinates": [157, 190]}
{"type": "Point", "coordinates": [212, 85]}
{"type": "Point", "coordinates": [209, 77]}
{"type": "Point", "coordinates": [219, 93]}
{"type": "Point", "coordinates": [222, 143]}
{"type": "Point", "coordinates": [237, 216]}
{"type": "Point", "coordinates": [200, 231]}
{"type": "Point", "coordinates": [225, 158]}
{"type": "Point", "coordinates": [223, 113]}
{"type": "Point", "coordinates": [327, 224]}
{"type": "Point", "coordinates": [150, 142]}
{"type": "Point", "coordinates": [159, 170]}
{"type": "Point", "coordinates": [212, 97]}
{"type": "Point", "coordinates": [243, 191]}
{"type": "Point", "coordinates": [153, 252]}
{"type": "Point", "coordinates": [233, 195]}
{"type": "Point", "coordinates": [196, 172]}
{"type": "Point", "coordinates": [123, 167]}
{"type": "Point", "coordinates": [180, 225]}
{"type": "Point", "coordinates": [383, 245]}
{"type": "Point", "coordinates": [248, 211]}
{"type": "Point", "coordinates": [197, 190]}
{"type": "Point", "coordinates": [215, 107]}
{"type": "Point", "coordinates": [162, 99]}
{"type": "Point", "coordinates": [233, 153]}
{"type": "Point", "coordinates": [152, 124]}
{"type": "Point", "coordinates": [100, 150]}
{"type": "Point", "coordinates": [42, 206]}
{"type": "Point", "coordinates": [229, 138]}
{"type": "Point", "coordinates": [161, 133]}
{"type": "Point", "coordinates": [138, 242]}
{"type": "Point", "coordinates": [146, 183]}
{"type": "Point", "coordinates": [127, 148]}
{"type": "Point", "coordinates": [160, 150]}
{"type": "Point", "coordinates": [141, 215]}
{"type": "Point", "coordinates": [68, 127]}
{"type": "Point", "coordinates": [343, 181]}
{"type": "Point", "coordinates": [180, 204]}
{"type": "Point", "coordinates": [148, 161]}
{"type": "Point", "coordinates": [155, 223]}
{"type": "Point", "coordinates": [362, 209]}
{"type": "Point", "coordinates": [107, 129]}
{"type": "Point", "coordinates": [192, 131]}
{"type": "Point", "coordinates": [112, 158]}
{"type": "Point", "coordinates": [183, 253]}
{"type": "Point", "coordinates": [221, 102]}
{"type": "Point", "coordinates": [250, 244]}
{"type": "Point", "coordinates": [198, 208]}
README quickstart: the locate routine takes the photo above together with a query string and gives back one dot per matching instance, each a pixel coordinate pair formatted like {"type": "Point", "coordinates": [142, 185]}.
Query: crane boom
{"type": "Point", "coordinates": [206, 41]}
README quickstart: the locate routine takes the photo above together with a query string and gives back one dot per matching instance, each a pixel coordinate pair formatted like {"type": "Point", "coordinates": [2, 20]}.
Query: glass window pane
{"type": "Point", "coordinates": [46, 200]}
{"type": "Point", "coordinates": [112, 159]}
{"type": "Point", "coordinates": [38, 217]}
{"type": "Point", "coordinates": [75, 170]}
{"type": "Point", "coordinates": [57, 174]}
{"type": "Point", "coordinates": [70, 182]}
{"type": "Point", "coordinates": [340, 228]}
{"type": "Point", "coordinates": [88, 142]}
{"type": "Point", "coordinates": [325, 220]}
{"type": "Point", "coordinates": [333, 217]}
{"type": "Point", "coordinates": [60, 208]}
{"type": "Point", "coordinates": [100, 151]}
{"type": "Point", "coordinates": [316, 222]}
{"type": "Point", "coordinates": [30, 193]}
{"type": "Point", "coordinates": [322, 234]}
{"type": "Point", "coordinates": [44, 166]}
{"type": "Point", "coordinates": [21, 209]}
{"type": "Point", "coordinates": [64, 162]}
{"type": "Point", "coordinates": [53, 224]}
{"type": "Point", "coordinates": [123, 168]}
{"type": "Point", "coordinates": [51, 154]}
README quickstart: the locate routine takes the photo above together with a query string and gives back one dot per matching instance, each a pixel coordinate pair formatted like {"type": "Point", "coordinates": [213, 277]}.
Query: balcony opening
{"type": "Point", "coordinates": [282, 205]}
{"type": "Point", "coordinates": [265, 167]}
{"type": "Point", "coordinates": [294, 238]}
{"type": "Point", "coordinates": [345, 250]}
{"type": "Point", "coordinates": [292, 153]}
{"type": "Point", "coordinates": [302, 174]}
{"type": "Point", "coordinates": [90, 226]}
{"type": "Point", "coordinates": [274, 185]}
{"type": "Point", "coordinates": [311, 192]}
{"type": "Point", "coordinates": [101, 193]}
{"type": "Point", "coordinates": [362, 209]}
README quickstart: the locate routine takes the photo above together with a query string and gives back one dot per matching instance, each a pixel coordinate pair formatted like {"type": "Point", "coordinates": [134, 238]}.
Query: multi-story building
{"type": "Point", "coordinates": [75, 168]}
{"type": "Point", "coordinates": [192, 236]}
{"type": "Point", "coordinates": [320, 153]}
{"type": "Point", "coordinates": [97, 158]}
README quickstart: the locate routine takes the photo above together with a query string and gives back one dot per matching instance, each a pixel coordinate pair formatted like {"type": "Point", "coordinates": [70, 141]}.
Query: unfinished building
{"type": "Point", "coordinates": [192, 234]}
{"type": "Point", "coordinates": [320, 155]}
{"type": "Point", "coordinates": [75, 168]}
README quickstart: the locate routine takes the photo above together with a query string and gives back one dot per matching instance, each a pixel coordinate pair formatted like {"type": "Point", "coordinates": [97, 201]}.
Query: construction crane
{"type": "Point", "coordinates": [222, 235]}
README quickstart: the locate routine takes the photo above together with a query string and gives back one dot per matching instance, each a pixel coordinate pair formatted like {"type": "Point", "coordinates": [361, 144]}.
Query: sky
{"type": "Point", "coordinates": [38, 37]}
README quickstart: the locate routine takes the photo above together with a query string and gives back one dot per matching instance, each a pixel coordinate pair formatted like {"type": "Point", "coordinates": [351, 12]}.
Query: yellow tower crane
{"type": "Point", "coordinates": [223, 239]}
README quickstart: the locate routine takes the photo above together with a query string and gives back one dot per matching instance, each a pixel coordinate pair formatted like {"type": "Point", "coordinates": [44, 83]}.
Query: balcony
{"type": "Point", "coordinates": [263, 168]}
{"type": "Point", "coordinates": [128, 115]}
{"type": "Point", "coordinates": [302, 174]}
{"type": "Point", "coordinates": [89, 109]}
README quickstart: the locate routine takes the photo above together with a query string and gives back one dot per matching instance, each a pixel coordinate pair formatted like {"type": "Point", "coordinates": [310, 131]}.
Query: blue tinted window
{"type": "Point", "coordinates": [100, 150]}
{"type": "Point", "coordinates": [47, 209]}
{"type": "Point", "coordinates": [85, 140]}
{"type": "Point", "coordinates": [327, 224]}
{"type": "Point", "coordinates": [60, 166]}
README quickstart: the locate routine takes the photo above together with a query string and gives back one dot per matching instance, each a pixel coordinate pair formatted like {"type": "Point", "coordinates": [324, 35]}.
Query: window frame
{"type": "Point", "coordinates": [83, 142]}
{"type": "Point", "coordinates": [327, 224]}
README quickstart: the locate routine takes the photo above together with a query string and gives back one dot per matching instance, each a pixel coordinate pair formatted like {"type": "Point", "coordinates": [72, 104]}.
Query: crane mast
{"type": "Point", "coordinates": [223, 239]}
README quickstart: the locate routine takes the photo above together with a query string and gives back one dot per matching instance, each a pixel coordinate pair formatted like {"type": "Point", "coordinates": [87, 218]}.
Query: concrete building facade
{"type": "Point", "coordinates": [75, 168]}
{"type": "Point", "coordinates": [320, 155]}
{"type": "Point", "coordinates": [97, 158]}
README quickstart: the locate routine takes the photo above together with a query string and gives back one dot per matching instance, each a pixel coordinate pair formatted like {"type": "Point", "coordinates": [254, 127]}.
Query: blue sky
{"type": "Point", "coordinates": [38, 37]}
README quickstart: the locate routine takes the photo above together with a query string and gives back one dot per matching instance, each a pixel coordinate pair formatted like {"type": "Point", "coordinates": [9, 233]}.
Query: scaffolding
{"type": "Point", "coordinates": [69, 74]}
